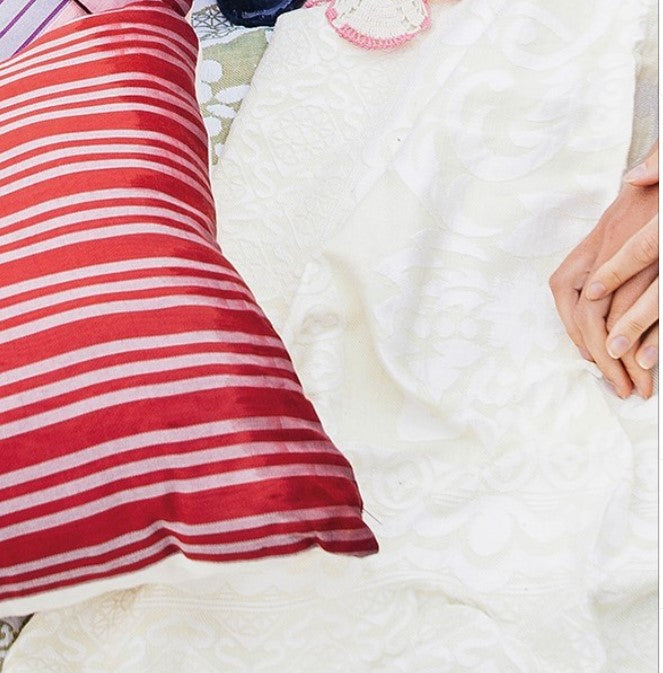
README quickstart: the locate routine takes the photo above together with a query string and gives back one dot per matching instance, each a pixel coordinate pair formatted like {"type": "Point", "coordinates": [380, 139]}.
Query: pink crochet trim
{"type": "Point", "coordinates": [362, 40]}
{"type": "Point", "coordinates": [367, 41]}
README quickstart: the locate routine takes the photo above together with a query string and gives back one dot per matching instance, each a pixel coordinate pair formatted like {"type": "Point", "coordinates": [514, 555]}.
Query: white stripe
{"type": "Point", "coordinates": [92, 215]}
{"type": "Point", "coordinates": [186, 530]}
{"type": "Point", "coordinates": [143, 367]}
{"type": "Point", "coordinates": [86, 198]}
{"type": "Point", "coordinates": [113, 268]}
{"type": "Point", "coordinates": [116, 135]}
{"type": "Point", "coordinates": [138, 393]}
{"type": "Point", "coordinates": [109, 46]}
{"type": "Point", "coordinates": [227, 549]}
{"type": "Point", "coordinates": [58, 53]}
{"type": "Point", "coordinates": [51, 64]}
{"type": "Point", "coordinates": [196, 128]}
{"type": "Point", "coordinates": [181, 460]}
{"type": "Point", "coordinates": [172, 281]}
{"type": "Point", "coordinates": [122, 346]}
{"type": "Point", "coordinates": [96, 102]}
{"type": "Point", "coordinates": [83, 34]}
{"type": "Point", "coordinates": [101, 233]}
{"type": "Point", "coordinates": [66, 154]}
{"type": "Point", "coordinates": [114, 307]}
{"type": "Point", "coordinates": [100, 81]}
{"type": "Point", "coordinates": [115, 86]}
{"type": "Point", "coordinates": [89, 509]}
{"type": "Point", "coordinates": [71, 168]}
{"type": "Point", "coordinates": [183, 5]}
{"type": "Point", "coordinates": [142, 440]}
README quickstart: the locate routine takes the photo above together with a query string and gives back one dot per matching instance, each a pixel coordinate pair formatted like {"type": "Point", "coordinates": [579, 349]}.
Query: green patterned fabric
{"type": "Point", "coordinates": [228, 59]}
{"type": "Point", "coordinates": [224, 74]}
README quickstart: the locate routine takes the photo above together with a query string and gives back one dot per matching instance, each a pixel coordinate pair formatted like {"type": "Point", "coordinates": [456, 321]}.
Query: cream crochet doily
{"type": "Point", "coordinates": [376, 24]}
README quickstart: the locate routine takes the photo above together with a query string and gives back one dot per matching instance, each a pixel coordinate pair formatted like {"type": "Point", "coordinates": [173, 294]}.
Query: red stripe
{"type": "Point", "coordinates": [144, 415]}
{"type": "Point", "coordinates": [218, 275]}
{"type": "Point", "coordinates": [202, 507]}
{"type": "Point", "coordinates": [120, 358]}
{"type": "Point", "coordinates": [261, 438]}
{"type": "Point", "coordinates": [66, 500]}
{"type": "Point", "coordinates": [58, 340]}
{"type": "Point", "coordinates": [307, 528]}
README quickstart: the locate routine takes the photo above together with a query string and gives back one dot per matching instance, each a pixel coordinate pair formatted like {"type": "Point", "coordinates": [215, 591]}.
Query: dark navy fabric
{"type": "Point", "coordinates": [256, 12]}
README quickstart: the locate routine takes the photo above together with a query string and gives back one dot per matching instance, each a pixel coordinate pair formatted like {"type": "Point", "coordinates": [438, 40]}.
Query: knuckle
{"type": "Point", "coordinates": [612, 277]}
{"type": "Point", "coordinates": [633, 325]}
{"type": "Point", "coordinates": [554, 282]}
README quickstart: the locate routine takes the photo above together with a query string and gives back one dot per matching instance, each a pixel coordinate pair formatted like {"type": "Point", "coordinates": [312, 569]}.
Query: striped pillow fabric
{"type": "Point", "coordinates": [147, 407]}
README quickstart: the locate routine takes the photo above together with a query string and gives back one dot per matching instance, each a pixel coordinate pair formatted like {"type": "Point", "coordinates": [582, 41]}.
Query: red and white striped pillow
{"type": "Point", "coordinates": [147, 407]}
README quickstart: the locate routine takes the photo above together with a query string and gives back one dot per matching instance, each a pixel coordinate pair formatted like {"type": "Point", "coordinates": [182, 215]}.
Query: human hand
{"type": "Point", "coordinates": [623, 298]}
{"type": "Point", "coordinates": [586, 320]}
{"type": "Point", "coordinates": [645, 174]}
{"type": "Point", "coordinates": [637, 364]}
{"type": "Point", "coordinates": [641, 319]}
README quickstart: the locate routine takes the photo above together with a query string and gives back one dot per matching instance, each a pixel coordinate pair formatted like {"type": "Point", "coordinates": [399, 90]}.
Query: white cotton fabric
{"type": "Point", "coordinates": [398, 216]}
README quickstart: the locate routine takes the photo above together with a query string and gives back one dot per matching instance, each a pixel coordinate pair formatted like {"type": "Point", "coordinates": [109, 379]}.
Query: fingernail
{"type": "Point", "coordinates": [595, 290]}
{"type": "Point", "coordinates": [636, 173]}
{"type": "Point", "coordinates": [643, 393]}
{"type": "Point", "coordinates": [585, 354]}
{"type": "Point", "coordinates": [648, 358]}
{"type": "Point", "coordinates": [618, 346]}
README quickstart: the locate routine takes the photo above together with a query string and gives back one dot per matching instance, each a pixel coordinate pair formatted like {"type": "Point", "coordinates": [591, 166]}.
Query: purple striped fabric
{"type": "Point", "coordinates": [21, 21]}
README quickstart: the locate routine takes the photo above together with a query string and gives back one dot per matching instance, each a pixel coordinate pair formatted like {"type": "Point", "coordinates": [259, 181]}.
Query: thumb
{"type": "Point", "coordinates": [646, 173]}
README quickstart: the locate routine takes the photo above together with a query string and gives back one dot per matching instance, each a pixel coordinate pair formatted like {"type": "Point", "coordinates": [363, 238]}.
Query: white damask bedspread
{"type": "Point", "coordinates": [398, 216]}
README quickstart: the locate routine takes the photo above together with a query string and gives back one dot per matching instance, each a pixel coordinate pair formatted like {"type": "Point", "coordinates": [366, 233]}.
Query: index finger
{"type": "Point", "coordinates": [639, 252]}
